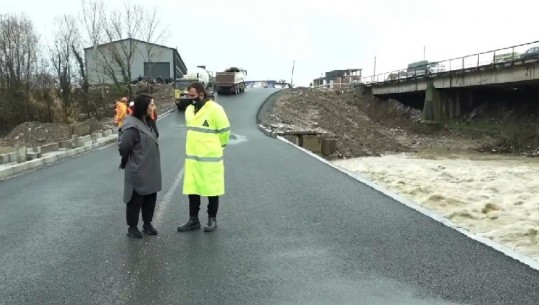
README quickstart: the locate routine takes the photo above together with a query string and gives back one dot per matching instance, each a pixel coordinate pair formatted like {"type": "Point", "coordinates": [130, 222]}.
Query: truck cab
{"type": "Point", "coordinates": [180, 92]}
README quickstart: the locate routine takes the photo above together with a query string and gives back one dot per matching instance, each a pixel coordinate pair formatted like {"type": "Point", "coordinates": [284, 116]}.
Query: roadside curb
{"type": "Point", "coordinates": [54, 157]}
{"type": "Point", "coordinates": [526, 260]}
{"type": "Point", "coordinates": [268, 104]}
{"type": "Point", "coordinates": [268, 132]}
{"type": "Point", "coordinates": [57, 156]}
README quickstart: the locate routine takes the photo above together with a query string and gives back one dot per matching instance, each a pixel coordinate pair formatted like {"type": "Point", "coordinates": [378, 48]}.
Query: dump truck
{"type": "Point", "coordinates": [232, 80]}
{"type": "Point", "coordinates": [200, 74]}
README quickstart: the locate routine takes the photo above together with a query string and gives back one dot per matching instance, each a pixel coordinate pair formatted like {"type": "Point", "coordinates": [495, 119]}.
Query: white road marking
{"type": "Point", "coordinates": [167, 198]}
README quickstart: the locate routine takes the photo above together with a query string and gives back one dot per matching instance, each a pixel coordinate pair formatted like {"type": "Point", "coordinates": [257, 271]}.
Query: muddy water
{"type": "Point", "coordinates": [494, 196]}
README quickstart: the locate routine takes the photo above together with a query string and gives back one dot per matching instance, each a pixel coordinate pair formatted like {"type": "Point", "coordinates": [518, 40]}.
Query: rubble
{"type": "Point", "coordinates": [334, 115]}
{"type": "Point", "coordinates": [33, 134]}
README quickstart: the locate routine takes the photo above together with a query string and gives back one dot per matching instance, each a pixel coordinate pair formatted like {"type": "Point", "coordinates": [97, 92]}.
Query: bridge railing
{"type": "Point", "coordinates": [495, 58]}
{"type": "Point", "coordinates": [336, 87]}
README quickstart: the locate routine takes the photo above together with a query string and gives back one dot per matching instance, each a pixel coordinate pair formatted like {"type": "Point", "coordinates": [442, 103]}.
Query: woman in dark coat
{"type": "Point", "coordinates": [141, 162]}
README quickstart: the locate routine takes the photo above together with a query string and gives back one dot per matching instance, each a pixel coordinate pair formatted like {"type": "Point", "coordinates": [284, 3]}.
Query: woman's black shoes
{"type": "Point", "coordinates": [133, 232]}
{"type": "Point", "coordinates": [149, 229]}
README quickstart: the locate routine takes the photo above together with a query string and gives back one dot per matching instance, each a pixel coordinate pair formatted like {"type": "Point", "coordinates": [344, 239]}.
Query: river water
{"type": "Point", "coordinates": [490, 195]}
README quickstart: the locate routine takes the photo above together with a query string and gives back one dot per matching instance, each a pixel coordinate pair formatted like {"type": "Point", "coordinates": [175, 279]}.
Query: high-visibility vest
{"type": "Point", "coordinates": [208, 132]}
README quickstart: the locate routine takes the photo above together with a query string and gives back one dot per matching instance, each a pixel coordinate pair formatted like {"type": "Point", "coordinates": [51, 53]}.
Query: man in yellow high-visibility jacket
{"type": "Point", "coordinates": [208, 132]}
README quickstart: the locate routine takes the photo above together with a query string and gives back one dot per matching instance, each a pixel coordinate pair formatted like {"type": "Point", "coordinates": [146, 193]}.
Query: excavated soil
{"type": "Point", "coordinates": [364, 125]}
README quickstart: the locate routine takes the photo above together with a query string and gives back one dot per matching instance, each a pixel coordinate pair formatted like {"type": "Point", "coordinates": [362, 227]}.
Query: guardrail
{"type": "Point", "coordinates": [336, 86]}
{"type": "Point", "coordinates": [495, 58]}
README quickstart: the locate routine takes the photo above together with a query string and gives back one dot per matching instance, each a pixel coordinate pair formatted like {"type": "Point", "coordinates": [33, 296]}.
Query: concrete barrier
{"type": "Point", "coordinates": [32, 155]}
{"type": "Point", "coordinates": [49, 148]}
{"type": "Point", "coordinates": [32, 158]}
{"type": "Point", "coordinates": [83, 140]}
{"type": "Point", "coordinates": [6, 173]}
{"type": "Point", "coordinates": [66, 144]}
{"type": "Point", "coordinates": [75, 141]}
{"type": "Point", "coordinates": [329, 146]}
{"type": "Point", "coordinates": [4, 158]}
{"type": "Point", "coordinates": [50, 159]}
{"type": "Point", "coordinates": [21, 153]}
{"type": "Point", "coordinates": [12, 157]}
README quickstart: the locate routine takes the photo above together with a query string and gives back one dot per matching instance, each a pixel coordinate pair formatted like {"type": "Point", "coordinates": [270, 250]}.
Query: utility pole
{"type": "Point", "coordinates": [424, 52]}
{"type": "Point", "coordinates": [292, 78]}
{"type": "Point", "coordinates": [374, 65]}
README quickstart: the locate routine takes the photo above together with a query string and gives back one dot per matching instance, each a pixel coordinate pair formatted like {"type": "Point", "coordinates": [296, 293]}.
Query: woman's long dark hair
{"type": "Point", "coordinates": [140, 110]}
{"type": "Point", "coordinates": [142, 102]}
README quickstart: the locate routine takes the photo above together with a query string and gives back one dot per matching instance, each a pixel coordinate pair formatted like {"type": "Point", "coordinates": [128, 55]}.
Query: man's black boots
{"type": "Point", "coordinates": [192, 224]}
{"type": "Point", "coordinates": [211, 226]}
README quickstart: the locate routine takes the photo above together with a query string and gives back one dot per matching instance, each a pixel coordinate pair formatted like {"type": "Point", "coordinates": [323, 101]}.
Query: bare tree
{"type": "Point", "coordinates": [18, 58]}
{"type": "Point", "coordinates": [44, 83]}
{"type": "Point", "coordinates": [115, 38]}
{"type": "Point", "coordinates": [63, 61]}
{"type": "Point", "coordinates": [93, 19]}
{"type": "Point", "coordinates": [123, 29]}
{"type": "Point", "coordinates": [92, 25]}
{"type": "Point", "coordinates": [153, 33]}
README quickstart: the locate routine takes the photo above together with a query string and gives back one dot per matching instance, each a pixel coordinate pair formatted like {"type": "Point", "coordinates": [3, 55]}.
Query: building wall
{"type": "Point", "coordinates": [100, 57]}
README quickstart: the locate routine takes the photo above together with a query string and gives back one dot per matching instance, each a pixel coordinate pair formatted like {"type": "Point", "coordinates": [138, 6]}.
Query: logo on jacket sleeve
{"type": "Point", "coordinates": [205, 124]}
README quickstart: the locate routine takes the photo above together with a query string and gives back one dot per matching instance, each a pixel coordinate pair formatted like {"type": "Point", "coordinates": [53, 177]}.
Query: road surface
{"type": "Point", "coordinates": [291, 231]}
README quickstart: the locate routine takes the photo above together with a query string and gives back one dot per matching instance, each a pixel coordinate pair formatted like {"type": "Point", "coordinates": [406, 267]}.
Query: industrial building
{"type": "Point", "coordinates": [338, 78]}
{"type": "Point", "coordinates": [164, 62]}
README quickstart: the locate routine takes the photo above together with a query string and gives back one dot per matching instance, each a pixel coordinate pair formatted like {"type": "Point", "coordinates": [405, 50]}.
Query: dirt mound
{"type": "Point", "coordinates": [87, 127]}
{"type": "Point", "coordinates": [364, 125]}
{"type": "Point", "coordinates": [336, 114]}
{"type": "Point", "coordinates": [33, 134]}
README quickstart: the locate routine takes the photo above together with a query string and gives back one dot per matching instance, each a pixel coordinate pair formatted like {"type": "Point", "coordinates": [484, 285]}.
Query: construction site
{"type": "Point", "coordinates": [363, 125]}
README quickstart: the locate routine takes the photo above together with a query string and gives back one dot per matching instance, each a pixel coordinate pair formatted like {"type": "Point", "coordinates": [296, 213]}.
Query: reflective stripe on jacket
{"type": "Point", "coordinates": [208, 132]}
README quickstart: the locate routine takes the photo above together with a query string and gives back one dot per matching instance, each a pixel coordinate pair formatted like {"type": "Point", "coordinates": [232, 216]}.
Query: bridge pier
{"type": "Point", "coordinates": [445, 104]}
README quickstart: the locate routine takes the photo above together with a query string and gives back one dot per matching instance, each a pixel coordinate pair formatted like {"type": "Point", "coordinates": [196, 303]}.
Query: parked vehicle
{"type": "Point", "coordinates": [424, 67]}
{"type": "Point", "coordinates": [531, 53]}
{"type": "Point", "coordinates": [397, 75]}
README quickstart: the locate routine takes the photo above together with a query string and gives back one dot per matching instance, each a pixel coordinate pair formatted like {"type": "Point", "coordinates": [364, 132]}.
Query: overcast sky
{"type": "Point", "coordinates": [265, 36]}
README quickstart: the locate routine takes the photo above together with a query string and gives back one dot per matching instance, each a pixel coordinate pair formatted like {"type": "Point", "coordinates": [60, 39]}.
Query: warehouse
{"type": "Point", "coordinates": [146, 60]}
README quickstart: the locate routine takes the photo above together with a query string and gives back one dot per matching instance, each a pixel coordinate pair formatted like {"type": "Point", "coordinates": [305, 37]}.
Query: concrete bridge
{"type": "Point", "coordinates": [448, 93]}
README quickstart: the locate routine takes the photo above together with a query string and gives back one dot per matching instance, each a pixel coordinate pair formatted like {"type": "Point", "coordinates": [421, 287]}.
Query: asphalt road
{"type": "Point", "coordinates": [291, 231]}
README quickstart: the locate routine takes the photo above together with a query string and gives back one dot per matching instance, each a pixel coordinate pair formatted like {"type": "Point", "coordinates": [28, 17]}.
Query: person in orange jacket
{"type": "Point", "coordinates": [120, 112]}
